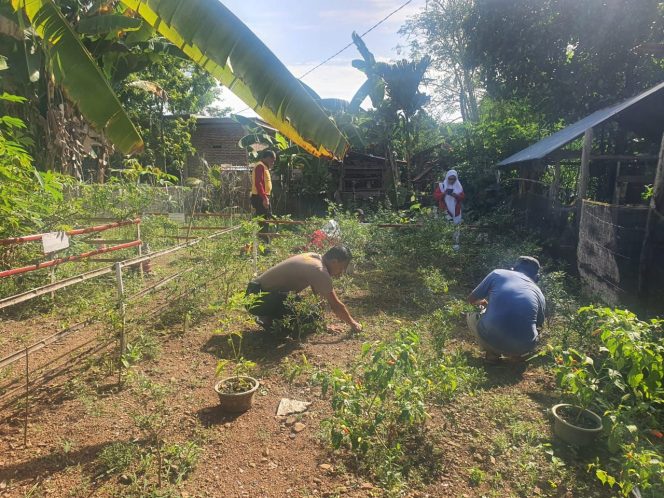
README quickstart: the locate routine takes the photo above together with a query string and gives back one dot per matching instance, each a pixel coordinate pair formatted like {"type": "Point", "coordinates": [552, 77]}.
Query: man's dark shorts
{"type": "Point", "coordinates": [269, 304]}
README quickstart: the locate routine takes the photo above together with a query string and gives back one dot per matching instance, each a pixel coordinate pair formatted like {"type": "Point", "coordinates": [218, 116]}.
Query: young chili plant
{"type": "Point", "coordinates": [379, 411]}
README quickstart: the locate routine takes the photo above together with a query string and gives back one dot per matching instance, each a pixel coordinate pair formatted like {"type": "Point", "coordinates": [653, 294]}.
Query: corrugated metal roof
{"type": "Point", "coordinates": [553, 142]}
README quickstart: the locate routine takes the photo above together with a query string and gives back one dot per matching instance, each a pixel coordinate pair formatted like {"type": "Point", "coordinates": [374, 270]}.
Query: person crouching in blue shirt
{"type": "Point", "coordinates": [514, 310]}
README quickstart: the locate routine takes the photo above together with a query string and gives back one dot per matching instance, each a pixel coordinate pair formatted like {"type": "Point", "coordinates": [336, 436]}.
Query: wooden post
{"type": "Point", "coordinates": [616, 186]}
{"type": "Point", "coordinates": [584, 172]}
{"type": "Point", "coordinates": [52, 274]}
{"type": "Point", "coordinates": [254, 253]}
{"type": "Point", "coordinates": [655, 205]}
{"type": "Point", "coordinates": [554, 190]}
{"type": "Point", "coordinates": [122, 310]}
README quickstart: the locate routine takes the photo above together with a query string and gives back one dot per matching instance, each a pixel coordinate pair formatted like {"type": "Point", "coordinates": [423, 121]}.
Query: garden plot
{"type": "Point", "coordinates": [406, 408]}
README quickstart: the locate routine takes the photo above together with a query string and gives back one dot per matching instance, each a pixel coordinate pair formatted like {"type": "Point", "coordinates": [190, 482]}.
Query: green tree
{"type": "Point", "coordinates": [565, 57]}
{"type": "Point", "coordinates": [439, 33]}
{"type": "Point", "coordinates": [162, 100]}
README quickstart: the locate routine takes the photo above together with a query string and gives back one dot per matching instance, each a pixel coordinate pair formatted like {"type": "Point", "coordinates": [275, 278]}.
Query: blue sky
{"type": "Point", "coordinates": [304, 33]}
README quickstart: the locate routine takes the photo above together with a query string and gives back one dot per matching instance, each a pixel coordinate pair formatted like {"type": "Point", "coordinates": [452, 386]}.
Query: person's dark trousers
{"type": "Point", "coordinates": [269, 305]}
{"type": "Point", "coordinates": [257, 204]}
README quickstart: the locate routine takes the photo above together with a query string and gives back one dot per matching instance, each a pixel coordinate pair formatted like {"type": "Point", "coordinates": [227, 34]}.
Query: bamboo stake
{"type": "Point", "coordinates": [27, 398]}
{"type": "Point", "coordinates": [122, 311]}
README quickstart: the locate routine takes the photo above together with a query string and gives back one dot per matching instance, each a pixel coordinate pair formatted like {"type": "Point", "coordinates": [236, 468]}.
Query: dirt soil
{"type": "Point", "coordinates": [257, 454]}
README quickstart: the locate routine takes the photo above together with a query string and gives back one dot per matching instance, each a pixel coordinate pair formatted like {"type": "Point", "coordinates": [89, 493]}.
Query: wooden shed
{"type": "Point", "coordinates": [613, 219]}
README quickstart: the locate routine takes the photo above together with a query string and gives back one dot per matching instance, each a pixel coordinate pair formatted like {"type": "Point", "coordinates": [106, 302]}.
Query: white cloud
{"type": "Point", "coordinates": [374, 11]}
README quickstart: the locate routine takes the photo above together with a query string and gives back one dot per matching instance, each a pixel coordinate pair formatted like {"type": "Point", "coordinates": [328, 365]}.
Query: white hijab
{"type": "Point", "coordinates": [450, 201]}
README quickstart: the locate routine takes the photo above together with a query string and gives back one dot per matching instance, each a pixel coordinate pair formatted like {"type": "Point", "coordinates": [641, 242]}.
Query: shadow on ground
{"type": "Point", "coordinates": [258, 346]}
{"type": "Point", "coordinates": [214, 415]}
{"type": "Point", "coordinates": [44, 466]}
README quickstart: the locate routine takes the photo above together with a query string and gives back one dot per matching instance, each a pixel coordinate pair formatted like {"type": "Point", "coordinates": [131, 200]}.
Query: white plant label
{"type": "Point", "coordinates": [177, 217]}
{"type": "Point", "coordinates": [54, 241]}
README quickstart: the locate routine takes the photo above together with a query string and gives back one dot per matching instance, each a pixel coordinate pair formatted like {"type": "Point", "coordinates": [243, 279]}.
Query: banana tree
{"type": "Point", "coordinates": [213, 37]}
{"type": "Point", "coordinates": [73, 69]}
{"type": "Point", "coordinates": [374, 87]}
{"type": "Point", "coordinates": [400, 82]}
{"type": "Point", "coordinates": [209, 34]}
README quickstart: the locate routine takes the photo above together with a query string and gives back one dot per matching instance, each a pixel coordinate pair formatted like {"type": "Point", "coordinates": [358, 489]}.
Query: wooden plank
{"type": "Point", "coordinates": [623, 157]}
{"type": "Point", "coordinates": [14, 357]}
{"type": "Point", "coordinates": [40, 291]}
{"type": "Point", "coordinates": [281, 222]}
{"type": "Point", "coordinates": [554, 189]}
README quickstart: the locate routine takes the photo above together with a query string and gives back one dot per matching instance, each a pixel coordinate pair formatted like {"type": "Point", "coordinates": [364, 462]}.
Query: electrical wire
{"type": "Point", "coordinates": [361, 36]}
{"type": "Point", "coordinates": [402, 6]}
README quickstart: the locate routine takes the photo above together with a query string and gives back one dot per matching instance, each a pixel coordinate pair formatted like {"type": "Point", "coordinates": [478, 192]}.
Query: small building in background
{"type": "Point", "coordinates": [216, 141]}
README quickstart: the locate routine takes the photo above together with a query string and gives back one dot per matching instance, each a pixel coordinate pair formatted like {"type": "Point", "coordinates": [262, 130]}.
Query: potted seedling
{"type": "Point", "coordinates": [236, 392]}
{"type": "Point", "coordinates": [574, 422]}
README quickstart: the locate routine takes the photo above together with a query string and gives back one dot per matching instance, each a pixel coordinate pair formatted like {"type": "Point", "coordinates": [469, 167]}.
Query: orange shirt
{"type": "Point", "coordinates": [261, 182]}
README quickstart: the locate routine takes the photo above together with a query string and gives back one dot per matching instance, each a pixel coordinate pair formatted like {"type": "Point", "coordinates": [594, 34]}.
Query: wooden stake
{"type": "Point", "coordinates": [27, 397]}
{"type": "Point", "coordinates": [554, 191]}
{"type": "Point", "coordinates": [140, 249]}
{"type": "Point", "coordinates": [616, 186]}
{"type": "Point", "coordinates": [254, 253]}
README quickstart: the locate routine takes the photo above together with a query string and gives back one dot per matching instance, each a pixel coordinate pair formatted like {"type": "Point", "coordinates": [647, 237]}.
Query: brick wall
{"type": "Point", "coordinates": [216, 140]}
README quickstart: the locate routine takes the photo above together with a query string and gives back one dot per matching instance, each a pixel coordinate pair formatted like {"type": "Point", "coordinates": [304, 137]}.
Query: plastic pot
{"type": "Point", "coordinates": [567, 428]}
{"type": "Point", "coordinates": [236, 402]}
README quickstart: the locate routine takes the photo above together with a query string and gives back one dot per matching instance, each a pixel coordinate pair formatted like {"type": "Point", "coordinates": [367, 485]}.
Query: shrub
{"type": "Point", "coordinates": [379, 408]}
{"type": "Point", "coordinates": [624, 378]}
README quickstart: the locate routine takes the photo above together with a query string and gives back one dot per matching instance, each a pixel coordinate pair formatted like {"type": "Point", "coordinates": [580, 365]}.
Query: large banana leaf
{"type": "Point", "coordinates": [76, 72]}
{"type": "Point", "coordinates": [97, 25]}
{"type": "Point", "coordinates": [212, 36]}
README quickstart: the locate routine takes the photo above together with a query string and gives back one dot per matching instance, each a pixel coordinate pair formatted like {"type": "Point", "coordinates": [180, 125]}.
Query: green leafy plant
{"type": "Point", "coordinates": [624, 377]}
{"type": "Point", "coordinates": [180, 460]}
{"type": "Point", "coordinates": [237, 363]}
{"type": "Point", "coordinates": [379, 410]}
{"type": "Point", "coordinates": [293, 369]}
{"type": "Point", "coordinates": [476, 477]}
{"type": "Point", "coordinates": [116, 457]}
{"type": "Point", "coordinates": [304, 316]}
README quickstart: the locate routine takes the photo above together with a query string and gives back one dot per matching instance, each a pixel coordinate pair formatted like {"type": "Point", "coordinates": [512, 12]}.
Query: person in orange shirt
{"type": "Point", "coordinates": [261, 186]}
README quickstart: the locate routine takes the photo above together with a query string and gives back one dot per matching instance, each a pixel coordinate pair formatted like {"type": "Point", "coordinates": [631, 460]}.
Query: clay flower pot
{"type": "Point", "coordinates": [236, 394]}
{"type": "Point", "coordinates": [578, 429]}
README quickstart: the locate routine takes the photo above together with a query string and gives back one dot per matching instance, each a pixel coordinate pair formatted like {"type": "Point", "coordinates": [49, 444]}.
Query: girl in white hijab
{"type": "Point", "coordinates": [449, 194]}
